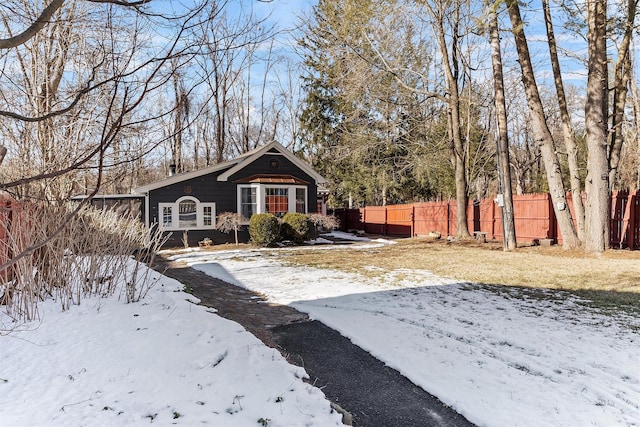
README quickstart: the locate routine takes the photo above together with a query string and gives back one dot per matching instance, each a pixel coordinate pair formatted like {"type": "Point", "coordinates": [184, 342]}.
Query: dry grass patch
{"type": "Point", "coordinates": [537, 267]}
{"type": "Point", "coordinates": [228, 247]}
{"type": "Point", "coordinates": [610, 281]}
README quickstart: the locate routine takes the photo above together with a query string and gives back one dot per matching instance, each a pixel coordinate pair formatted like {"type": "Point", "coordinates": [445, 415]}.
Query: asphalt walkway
{"type": "Point", "coordinates": [373, 394]}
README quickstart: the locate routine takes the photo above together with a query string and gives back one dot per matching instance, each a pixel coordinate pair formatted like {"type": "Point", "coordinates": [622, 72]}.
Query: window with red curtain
{"type": "Point", "coordinates": [277, 200]}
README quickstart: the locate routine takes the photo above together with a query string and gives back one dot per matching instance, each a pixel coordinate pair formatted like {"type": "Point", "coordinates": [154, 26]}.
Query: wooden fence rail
{"type": "Point", "coordinates": [533, 215]}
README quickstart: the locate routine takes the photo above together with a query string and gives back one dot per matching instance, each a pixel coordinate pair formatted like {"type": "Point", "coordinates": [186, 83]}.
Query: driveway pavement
{"type": "Point", "coordinates": [371, 393]}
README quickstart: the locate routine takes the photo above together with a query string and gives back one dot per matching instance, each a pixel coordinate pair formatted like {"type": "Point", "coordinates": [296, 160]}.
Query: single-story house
{"type": "Point", "coordinates": [267, 179]}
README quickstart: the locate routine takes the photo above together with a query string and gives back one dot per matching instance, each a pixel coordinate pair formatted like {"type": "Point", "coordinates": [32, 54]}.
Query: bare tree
{"type": "Point", "coordinates": [44, 141]}
{"type": "Point", "coordinates": [289, 106]}
{"type": "Point", "coordinates": [83, 84]}
{"type": "Point", "coordinates": [621, 79]}
{"type": "Point", "coordinates": [596, 113]}
{"type": "Point", "coordinates": [541, 131]}
{"type": "Point", "coordinates": [446, 23]}
{"type": "Point", "coordinates": [180, 117]}
{"type": "Point", "coordinates": [567, 129]}
{"type": "Point", "coordinates": [229, 44]}
{"type": "Point", "coordinates": [252, 104]}
{"type": "Point", "coordinates": [635, 95]}
{"type": "Point", "coordinates": [504, 163]}
{"type": "Point", "coordinates": [92, 96]}
{"type": "Point", "coordinates": [604, 117]}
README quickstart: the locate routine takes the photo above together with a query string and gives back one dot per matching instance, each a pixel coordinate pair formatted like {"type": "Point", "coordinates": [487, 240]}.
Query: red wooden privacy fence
{"type": "Point", "coordinates": [6, 214]}
{"type": "Point", "coordinates": [533, 214]}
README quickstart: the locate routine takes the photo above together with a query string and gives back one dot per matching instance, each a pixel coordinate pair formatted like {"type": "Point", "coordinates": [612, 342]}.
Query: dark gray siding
{"type": "Point", "coordinates": [195, 236]}
{"type": "Point", "coordinates": [224, 194]}
{"type": "Point", "coordinates": [206, 189]}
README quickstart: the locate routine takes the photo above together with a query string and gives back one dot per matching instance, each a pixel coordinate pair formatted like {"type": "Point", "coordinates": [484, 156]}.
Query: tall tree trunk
{"type": "Point", "coordinates": [220, 104]}
{"type": "Point", "coordinates": [462, 199]}
{"type": "Point", "coordinates": [620, 86]}
{"type": "Point", "coordinates": [621, 83]}
{"type": "Point", "coordinates": [246, 143]}
{"type": "Point", "coordinates": [541, 132]}
{"type": "Point", "coordinates": [567, 129]}
{"type": "Point", "coordinates": [504, 163]}
{"type": "Point", "coordinates": [220, 129]}
{"type": "Point", "coordinates": [176, 149]}
{"type": "Point", "coordinates": [450, 67]}
{"type": "Point", "coordinates": [596, 108]}
{"type": "Point", "coordinates": [635, 96]}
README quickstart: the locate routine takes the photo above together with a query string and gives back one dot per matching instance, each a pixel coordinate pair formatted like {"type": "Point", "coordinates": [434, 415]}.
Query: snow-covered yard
{"type": "Point", "coordinates": [499, 356]}
{"type": "Point", "coordinates": [162, 361]}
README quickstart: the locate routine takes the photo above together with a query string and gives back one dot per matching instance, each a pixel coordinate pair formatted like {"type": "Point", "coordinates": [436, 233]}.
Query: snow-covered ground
{"type": "Point", "coordinates": [498, 356]}
{"type": "Point", "coordinates": [501, 357]}
{"type": "Point", "coordinates": [162, 361]}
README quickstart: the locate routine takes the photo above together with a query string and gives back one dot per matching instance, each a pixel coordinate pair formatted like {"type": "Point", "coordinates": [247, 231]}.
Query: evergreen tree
{"type": "Point", "coordinates": [373, 133]}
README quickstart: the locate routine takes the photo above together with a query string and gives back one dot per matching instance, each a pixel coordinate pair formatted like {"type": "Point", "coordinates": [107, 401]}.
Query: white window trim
{"type": "Point", "coordinates": [175, 217]}
{"type": "Point", "coordinates": [261, 193]}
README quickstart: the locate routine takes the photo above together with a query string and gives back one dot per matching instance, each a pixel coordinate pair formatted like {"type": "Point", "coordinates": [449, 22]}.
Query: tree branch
{"type": "Point", "coordinates": [34, 28]}
{"type": "Point", "coordinates": [122, 2]}
{"type": "Point", "coordinates": [395, 72]}
{"type": "Point", "coordinates": [45, 17]}
{"type": "Point", "coordinates": [88, 88]}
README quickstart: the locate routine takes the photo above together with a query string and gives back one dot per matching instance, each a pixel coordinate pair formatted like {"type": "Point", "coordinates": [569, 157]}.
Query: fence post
{"type": "Point", "coordinates": [493, 219]}
{"type": "Point", "coordinates": [413, 219]}
{"type": "Point", "coordinates": [631, 225]}
{"type": "Point", "coordinates": [448, 218]}
{"type": "Point", "coordinates": [384, 229]}
{"type": "Point", "coordinates": [553, 228]}
{"type": "Point", "coordinates": [625, 220]}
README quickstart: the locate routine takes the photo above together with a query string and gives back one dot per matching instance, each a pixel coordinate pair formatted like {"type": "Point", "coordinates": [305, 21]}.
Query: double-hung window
{"type": "Point", "coordinates": [167, 215]}
{"type": "Point", "coordinates": [207, 215]}
{"type": "Point", "coordinates": [301, 200]}
{"type": "Point", "coordinates": [187, 213]}
{"type": "Point", "coordinates": [248, 201]}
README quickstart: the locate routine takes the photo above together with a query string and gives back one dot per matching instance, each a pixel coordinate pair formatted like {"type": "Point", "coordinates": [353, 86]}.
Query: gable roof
{"type": "Point", "coordinates": [256, 154]}
{"type": "Point", "coordinates": [234, 166]}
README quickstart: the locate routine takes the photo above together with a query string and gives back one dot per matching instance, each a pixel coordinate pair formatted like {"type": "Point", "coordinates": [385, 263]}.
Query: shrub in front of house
{"type": "Point", "coordinates": [264, 229]}
{"type": "Point", "coordinates": [325, 222]}
{"type": "Point", "coordinates": [296, 227]}
{"type": "Point", "coordinates": [230, 221]}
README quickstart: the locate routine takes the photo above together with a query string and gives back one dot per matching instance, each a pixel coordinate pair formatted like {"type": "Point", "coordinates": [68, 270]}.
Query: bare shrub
{"type": "Point", "coordinates": [90, 256]}
{"type": "Point", "coordinates": [325, 222]}
{"type": "Point", "coordinates": [139, 283]}
{"type": "Point", "coordinates": [230, 221]}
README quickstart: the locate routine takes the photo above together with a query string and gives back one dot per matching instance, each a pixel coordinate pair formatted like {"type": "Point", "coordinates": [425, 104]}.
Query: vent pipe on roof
{"type": "Point", "coordinates": [172, 169]}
